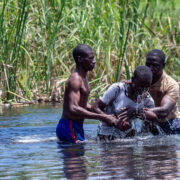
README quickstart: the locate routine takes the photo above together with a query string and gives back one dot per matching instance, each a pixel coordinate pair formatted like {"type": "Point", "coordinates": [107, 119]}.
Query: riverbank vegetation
{"type": "Point", "coordinates": [37, 38]}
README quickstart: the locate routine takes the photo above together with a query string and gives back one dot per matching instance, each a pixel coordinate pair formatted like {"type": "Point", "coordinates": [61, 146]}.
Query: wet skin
{"type": "Point", "coordinates": [76, 107]}
{"type": "Point", "coordinates": [136, 87]}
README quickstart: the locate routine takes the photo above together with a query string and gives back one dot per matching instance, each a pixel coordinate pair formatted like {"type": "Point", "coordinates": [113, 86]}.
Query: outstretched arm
{"type": "Point", "coordinates": [131, 112]}
{"type": "Point", "coordinates": [99, 106]}
{"type": "Point", "coordinates": [74, 86]}
{"type": "Point", "coordinates": [167, 104]}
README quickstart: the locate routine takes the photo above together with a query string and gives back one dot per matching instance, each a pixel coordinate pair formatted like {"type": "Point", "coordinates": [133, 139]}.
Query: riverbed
{"type": "Point", "coordinates": [29, 150]}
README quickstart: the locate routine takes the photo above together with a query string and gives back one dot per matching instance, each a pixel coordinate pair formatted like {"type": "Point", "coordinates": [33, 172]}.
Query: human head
{"type": "Point", "coordinates": [155, 60]}
{"type": "Point", "coordinates": [84, 56]}
{"type": "Point", "coordinates": [142, 79]}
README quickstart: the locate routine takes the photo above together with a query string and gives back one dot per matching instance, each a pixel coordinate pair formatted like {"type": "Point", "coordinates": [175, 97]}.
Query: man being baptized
{"type": "Point", "coordinates": [129, 102]}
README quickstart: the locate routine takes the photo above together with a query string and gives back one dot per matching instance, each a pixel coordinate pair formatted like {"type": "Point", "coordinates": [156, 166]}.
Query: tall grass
{"type": "Point", "coordinates": [37, 38]}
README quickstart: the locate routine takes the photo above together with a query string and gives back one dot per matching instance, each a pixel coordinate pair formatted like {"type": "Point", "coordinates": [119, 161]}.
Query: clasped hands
{"type": "Point", "coordinates": [123, 119]}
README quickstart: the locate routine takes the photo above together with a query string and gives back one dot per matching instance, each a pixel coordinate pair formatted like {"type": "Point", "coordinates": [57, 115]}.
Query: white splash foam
{"type": "Point", "coordinates": [33, 139]}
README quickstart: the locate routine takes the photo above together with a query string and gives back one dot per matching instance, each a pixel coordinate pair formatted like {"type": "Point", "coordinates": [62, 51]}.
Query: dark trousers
{"type": "Point", "coordinates": [171, 127]}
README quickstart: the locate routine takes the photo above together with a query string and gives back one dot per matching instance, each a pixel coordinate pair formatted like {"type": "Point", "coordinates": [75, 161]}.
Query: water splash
{"type": "Point", "coordinates": [33, 139]}
{"type": "Point", "coordinates": [143, 125]}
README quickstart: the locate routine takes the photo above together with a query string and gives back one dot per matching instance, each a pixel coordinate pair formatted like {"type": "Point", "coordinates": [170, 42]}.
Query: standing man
{"type": "Point", "coordinates": [75, 106]}
{"type": "Point", "coordinates": [165, 92]}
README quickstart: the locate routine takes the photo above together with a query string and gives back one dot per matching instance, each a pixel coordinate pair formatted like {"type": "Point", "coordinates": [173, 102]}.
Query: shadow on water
{"type": "Point", "coordinates": [29, 150]}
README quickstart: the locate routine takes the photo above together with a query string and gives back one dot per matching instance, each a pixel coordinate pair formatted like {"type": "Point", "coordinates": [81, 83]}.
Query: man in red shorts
{"type": "Point", "coordinates": [76, 107]}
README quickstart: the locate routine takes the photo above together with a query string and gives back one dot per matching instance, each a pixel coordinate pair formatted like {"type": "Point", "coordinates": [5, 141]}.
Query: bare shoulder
{"type": "Point", "coordinates": [74, 82]}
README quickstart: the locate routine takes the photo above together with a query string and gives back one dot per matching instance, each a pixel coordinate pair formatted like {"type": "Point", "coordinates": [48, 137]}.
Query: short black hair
{"type": "Point", "coordinates": [143, 72]}
{"type": "Point", "coordinates": [158, 53]}
{"type": "Point", "coordinates": [81, 50]}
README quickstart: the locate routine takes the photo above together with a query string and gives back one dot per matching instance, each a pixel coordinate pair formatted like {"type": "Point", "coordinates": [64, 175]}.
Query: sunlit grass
{"type": "Point", "coordinates": [37, 38]}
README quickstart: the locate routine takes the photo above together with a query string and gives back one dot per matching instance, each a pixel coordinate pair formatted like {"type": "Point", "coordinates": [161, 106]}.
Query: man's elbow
{"type": "Point", "coordinates": [73, 109]}
{"type": "Point", "coordinates": [164, 113]}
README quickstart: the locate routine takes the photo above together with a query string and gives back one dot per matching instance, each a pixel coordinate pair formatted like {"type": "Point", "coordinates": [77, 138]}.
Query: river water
{"type": "Point", "coordinates": [29, 150]}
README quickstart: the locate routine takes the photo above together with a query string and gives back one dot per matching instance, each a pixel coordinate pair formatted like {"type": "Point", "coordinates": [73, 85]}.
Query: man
{"type": "Point", "coordinates": [75, 106]}
{"type": "Point", "coordinates": [122, 96]}
{"type": "Point", "coordinates": [165, 92]}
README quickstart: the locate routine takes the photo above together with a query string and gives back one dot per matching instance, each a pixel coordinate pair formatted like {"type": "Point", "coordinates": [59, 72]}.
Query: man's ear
{"type": "Point", "coordinates": [79, 59]}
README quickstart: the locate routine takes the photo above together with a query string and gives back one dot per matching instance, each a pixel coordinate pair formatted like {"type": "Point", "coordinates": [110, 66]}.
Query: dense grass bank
{"type": "Point", "coordinates": [37, 38]}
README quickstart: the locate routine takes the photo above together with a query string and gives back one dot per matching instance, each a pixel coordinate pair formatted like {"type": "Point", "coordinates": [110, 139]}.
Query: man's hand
{"type": "Point", "coordinates": [123, 125]}
{"type": "Point", "coordinates": [111, 120]}
{"type": "Point", "coordinates": [127, 113]}
{"type": "Point", "coordinates": [150, 115]}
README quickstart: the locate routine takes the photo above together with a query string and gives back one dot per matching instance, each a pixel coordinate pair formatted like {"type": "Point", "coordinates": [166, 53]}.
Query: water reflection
{"type": "Point", "coordinates": [138, 162]}
{"type": "Point", "coordinates": [29, 151]}
{"type": "Point", "coordinates": [73, 161]}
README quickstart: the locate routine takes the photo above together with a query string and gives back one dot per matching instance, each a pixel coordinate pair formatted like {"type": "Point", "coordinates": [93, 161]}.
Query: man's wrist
{"type": "Point", "coordinates": [140, 113]}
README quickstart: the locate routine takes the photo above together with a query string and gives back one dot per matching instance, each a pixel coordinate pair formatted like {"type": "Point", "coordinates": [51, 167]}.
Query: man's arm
{"type": "Point", "coordinates": [74, 86]}
{"type": "Point", "coordinates": [142, 112]}
{"type": "Point", "coordinates": [167, 104]}
{"type": "Point", "coordinates": [99, 106]}
{"type": "Point", "coordinates": [89, 107]}
{"type": "Point", "coordinates": [150, 115]}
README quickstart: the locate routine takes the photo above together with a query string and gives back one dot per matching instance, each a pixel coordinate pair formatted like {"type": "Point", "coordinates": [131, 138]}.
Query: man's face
{"type": "Point", "coordinates": [155, 64]}
{"type": "Point", "coordinates": [140, 86]}
{"type": "Point", "coordinates": [88, 62]}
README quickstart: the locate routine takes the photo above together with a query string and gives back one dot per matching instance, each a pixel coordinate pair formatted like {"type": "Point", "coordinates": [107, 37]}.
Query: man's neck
{"type": "Point", "coordinates": [81, 71]}
{"type": "Point", "coordinates": [156, 78]}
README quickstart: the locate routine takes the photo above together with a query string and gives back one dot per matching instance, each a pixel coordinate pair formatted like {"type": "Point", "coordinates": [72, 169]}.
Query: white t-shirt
{"type": "Point", "coordinates": [116, 97]}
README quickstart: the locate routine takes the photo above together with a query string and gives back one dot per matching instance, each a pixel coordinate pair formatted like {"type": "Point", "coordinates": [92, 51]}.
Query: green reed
{"type": "Point", "coordinates": [37, 38]}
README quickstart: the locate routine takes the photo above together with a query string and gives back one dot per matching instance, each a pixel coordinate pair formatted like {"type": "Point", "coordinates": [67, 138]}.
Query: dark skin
{"type": "Point", "coordinates": [76, 107]}
{"type": "Point", "coordinates": [122, 124]}
{"type": "Point", "coordinates": [167, 104]}
{"type": "Point", "coordinates": [136, 87]}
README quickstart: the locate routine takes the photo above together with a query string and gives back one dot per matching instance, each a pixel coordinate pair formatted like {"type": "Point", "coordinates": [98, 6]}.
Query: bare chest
{"type": "Point", "coordinates": [84, 90]}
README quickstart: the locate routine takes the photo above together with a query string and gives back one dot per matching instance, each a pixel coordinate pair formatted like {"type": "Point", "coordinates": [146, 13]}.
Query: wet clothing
{"type": "Point", "coordinates": [69, 131]}
{"type": "Point", "coordinates": [166, 86]}
{"type": "Point", "coordinates": [115, 98]}
{"type": "Point", "coordinates": [171, 127]}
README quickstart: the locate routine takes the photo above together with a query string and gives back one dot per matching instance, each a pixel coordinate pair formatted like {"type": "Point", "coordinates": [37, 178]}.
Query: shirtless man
{"type": "Point", "coordinates": [165, 92]}
{"type": "Point", "coordinates": [76, 107]}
